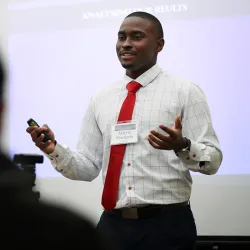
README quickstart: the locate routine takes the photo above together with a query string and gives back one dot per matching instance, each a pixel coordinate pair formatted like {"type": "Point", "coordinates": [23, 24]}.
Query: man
{"type": "Point", "coordinates": [146, 132]}
{"type": "Point", "coordinates": [26, 223]}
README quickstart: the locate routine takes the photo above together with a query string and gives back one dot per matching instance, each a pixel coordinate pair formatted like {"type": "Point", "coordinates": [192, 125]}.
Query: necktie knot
{"type": "Point", "coordinates": [133, 86]}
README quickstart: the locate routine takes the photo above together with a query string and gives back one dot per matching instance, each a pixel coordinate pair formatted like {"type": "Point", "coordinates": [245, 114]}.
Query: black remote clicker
{"type": "Point", "coordinates": [32, 122]}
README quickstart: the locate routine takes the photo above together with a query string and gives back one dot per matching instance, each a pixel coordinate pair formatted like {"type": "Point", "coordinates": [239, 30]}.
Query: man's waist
{"type": "Point", "coordinates": [146, 211]}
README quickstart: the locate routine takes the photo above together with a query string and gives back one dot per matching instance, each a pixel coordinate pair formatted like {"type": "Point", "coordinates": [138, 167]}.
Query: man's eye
{"type": "Point", "coordinates": [121, 38]}
{"type": "Point", "coordinates": [137, 37]}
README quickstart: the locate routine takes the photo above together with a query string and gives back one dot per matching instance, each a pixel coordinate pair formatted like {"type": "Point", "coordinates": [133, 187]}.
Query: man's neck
{"type": "Point", "coordinates": [136, 73]}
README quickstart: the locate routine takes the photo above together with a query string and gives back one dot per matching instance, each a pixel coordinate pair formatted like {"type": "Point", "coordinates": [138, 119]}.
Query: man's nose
{"type": "Point", "coordinates": [127, 44]}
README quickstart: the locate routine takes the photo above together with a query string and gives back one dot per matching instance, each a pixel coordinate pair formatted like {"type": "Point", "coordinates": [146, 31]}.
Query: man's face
{"type": "Point", "coordinates": [138, 44]}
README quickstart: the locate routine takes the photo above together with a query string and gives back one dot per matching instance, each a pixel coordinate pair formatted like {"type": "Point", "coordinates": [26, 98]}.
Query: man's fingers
{"type": "Point", "coordinates": [157, 143]}
{"type": "Point", "coordinates": [156, 140]}
{"type": "Point", "coordinates": [153, 144]}
{"type": "Point", "coordinates": [40, 138]}
{"type": "Point", "coordinates": [169, 131]}
{"type": "Point", "coordinates": [160, 136]}
{"type": "Point", "coordinates": [47, 143]}
{"type": "Point", "coordinates": [37, 129]}
{"type": "Point", "coordinates": [31, 129]}
{"type": "Point", "coordinates": [46, 128]}
{"type": "Point", "coordinates": [37, 136]}
{"type": "Point", "coordinates": [177, 123]}
{"type": "Point", "coordinates": [39, 142]}
{"type": "Point", "coordinates": [35, 133]}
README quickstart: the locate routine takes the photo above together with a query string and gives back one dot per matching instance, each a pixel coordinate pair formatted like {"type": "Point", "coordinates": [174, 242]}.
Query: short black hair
{"type": "Point", "coordinates": [151, 18]}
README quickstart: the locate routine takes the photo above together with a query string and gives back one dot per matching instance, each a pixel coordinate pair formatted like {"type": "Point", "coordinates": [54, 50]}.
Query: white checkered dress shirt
{"type": "Point", "coordinates": [148, 175]}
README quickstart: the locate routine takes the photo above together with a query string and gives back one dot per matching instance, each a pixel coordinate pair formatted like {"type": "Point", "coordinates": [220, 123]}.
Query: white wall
{"type": "Point", "coordinates": [218, 209]}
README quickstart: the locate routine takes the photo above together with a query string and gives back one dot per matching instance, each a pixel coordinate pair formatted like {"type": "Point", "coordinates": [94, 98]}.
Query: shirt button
{"type": "Point", "coordinates": [129, 188]}
{"type": "Point", "coordinates": [129, 164]}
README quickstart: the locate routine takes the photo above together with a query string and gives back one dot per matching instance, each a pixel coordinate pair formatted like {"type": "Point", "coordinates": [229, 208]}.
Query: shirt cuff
{"type": "Point", "coordinates": [58, 153]}
{"type": "Point", "coordinates": [197, 154]}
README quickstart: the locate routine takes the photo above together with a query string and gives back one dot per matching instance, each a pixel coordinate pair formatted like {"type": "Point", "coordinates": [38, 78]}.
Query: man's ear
{"type": "Point", "coordinates": [160, 44]}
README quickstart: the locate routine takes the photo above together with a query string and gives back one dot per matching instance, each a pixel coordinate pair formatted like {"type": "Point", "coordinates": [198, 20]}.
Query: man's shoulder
{"type": "Point", "coordinates": [174, 78]}
{"type": "Point", "coordinates": [109, 89]}
{"type": "Point", "coordinates": [179, 83]}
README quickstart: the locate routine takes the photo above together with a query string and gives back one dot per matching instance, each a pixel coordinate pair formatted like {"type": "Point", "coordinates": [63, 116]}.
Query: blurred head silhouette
{"type": "Point", "coordinates": [2, 85]}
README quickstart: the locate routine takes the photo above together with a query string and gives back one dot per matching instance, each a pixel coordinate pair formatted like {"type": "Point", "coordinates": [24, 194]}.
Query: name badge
{"type": "Point", "coordinates": [124, 133]}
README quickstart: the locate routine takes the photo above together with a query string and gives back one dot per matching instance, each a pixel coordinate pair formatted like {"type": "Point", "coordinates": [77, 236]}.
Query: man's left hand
{"type": "Point", "coordinates": [173, 141]}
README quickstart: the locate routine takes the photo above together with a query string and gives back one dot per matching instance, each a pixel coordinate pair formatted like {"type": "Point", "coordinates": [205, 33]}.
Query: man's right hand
{"type": "Point", "coordinates": [47, 147]}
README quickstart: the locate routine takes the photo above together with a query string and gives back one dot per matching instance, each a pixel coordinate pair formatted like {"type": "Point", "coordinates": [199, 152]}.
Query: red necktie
{"type": "Point", "coordinates": [110, 190]}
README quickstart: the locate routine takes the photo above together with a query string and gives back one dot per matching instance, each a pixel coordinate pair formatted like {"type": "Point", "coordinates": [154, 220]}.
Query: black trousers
{"type": "Point", "coordinates": [172, 229]}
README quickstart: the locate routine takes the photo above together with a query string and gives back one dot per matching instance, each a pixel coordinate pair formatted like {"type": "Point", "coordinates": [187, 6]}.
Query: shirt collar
{"type": "Point", "coordinates": [146, 77]}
